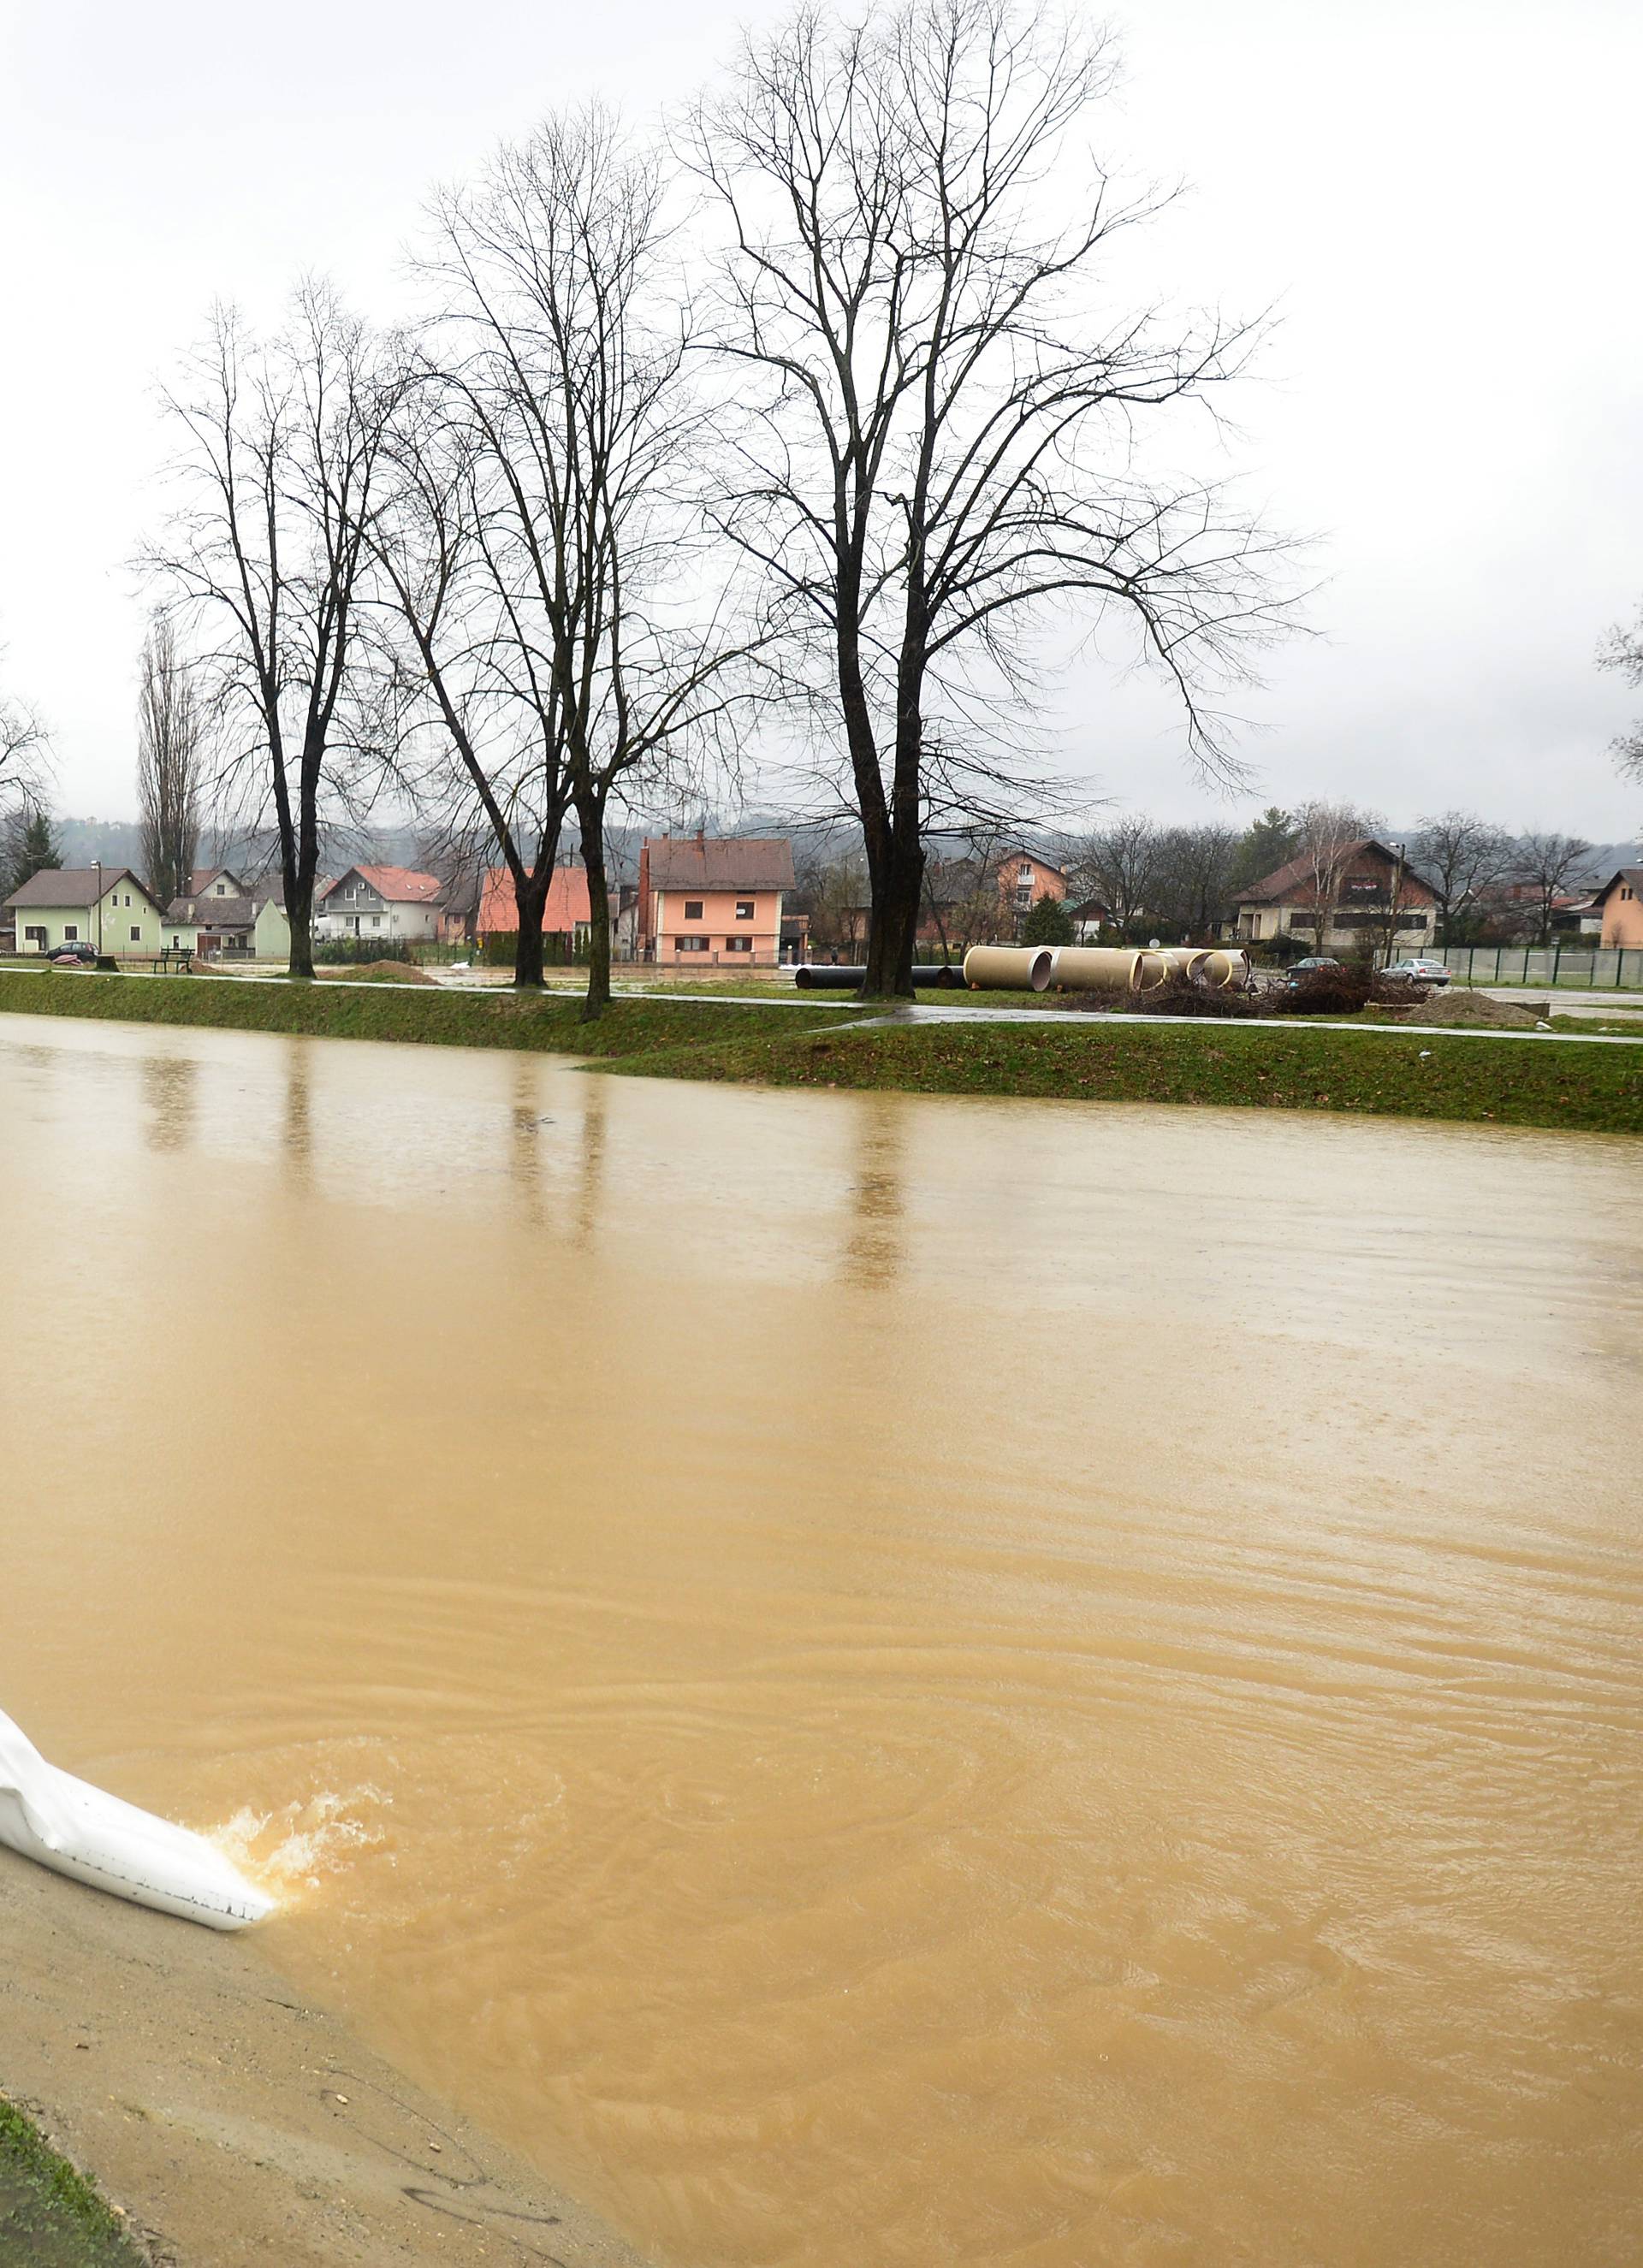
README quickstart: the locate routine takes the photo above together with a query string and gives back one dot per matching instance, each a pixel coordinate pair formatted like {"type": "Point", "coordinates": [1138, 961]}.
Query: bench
{"type": "Point", "coordinates": [180, 956]}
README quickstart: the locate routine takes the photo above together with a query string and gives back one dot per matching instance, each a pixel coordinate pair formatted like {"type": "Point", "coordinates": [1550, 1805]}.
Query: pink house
{"type": "Point", "coordinates": [714, 900]}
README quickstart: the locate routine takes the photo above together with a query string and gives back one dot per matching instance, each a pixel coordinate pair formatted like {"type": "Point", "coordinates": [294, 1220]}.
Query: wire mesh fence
{"type": "Point", "coordinates": [1592, 967]}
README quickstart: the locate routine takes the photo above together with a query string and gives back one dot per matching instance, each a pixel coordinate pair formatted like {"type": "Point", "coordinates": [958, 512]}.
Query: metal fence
{"type": "Point", "coordinates": [1613, 968]}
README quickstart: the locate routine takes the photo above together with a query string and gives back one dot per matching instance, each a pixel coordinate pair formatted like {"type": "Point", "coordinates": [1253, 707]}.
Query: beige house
{"type": "Point", "coordinates": [1620, 903]}
{"type": "Point", "coordinates": [1372, 896]}
{"type": "Point", "coordinates": [104, 907]}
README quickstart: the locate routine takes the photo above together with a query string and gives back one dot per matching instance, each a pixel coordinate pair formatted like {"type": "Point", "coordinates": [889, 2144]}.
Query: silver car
{"type": "Point", "coordinates": [1417, 971]}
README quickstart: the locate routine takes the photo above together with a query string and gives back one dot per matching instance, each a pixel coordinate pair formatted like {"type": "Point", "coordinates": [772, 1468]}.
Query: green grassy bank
{"type": "Point", "coordinates": [51, 2217]}
{"type": "Point", "coordinates": [429, 1016]}
{"type": "Point", "coordinates": [1388, 1074]}
{"type": "Point", "coordinates": [1384, 1071]}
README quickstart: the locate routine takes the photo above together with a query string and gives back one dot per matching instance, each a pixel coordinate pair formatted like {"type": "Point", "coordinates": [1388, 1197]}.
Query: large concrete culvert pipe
{"type": "Point", "coordinates": [1009, 968]}
{"type": "Point", "coordinates": [1191, 961]}
{"type": "Point", "coordinates": [1108, 969]}
{"type": "Point", "coordinates": [1223, 968]}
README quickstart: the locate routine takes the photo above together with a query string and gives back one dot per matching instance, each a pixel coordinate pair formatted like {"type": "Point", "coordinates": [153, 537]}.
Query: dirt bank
{"type": "Point", "coordinates": [231, 2125]}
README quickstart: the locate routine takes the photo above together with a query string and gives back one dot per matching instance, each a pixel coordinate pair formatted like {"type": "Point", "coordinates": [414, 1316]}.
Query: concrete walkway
{"type": "Point", "coordinates": [1072, 1019]}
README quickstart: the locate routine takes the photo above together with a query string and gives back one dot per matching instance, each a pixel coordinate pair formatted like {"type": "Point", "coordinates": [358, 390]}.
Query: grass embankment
{"type": "Point", "coordinates": [1382, 1071]}
{"type": "Point", "coordinates": [1504, 1082]}
{"type": "Point", "coordinates": [432, 1017]}
{"type": "Point", "coordinates": [50, 2216]}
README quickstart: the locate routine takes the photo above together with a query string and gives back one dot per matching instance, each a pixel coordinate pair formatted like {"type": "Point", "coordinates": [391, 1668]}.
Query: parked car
{"type": "Point", "coordinates": [74, 955]}
{"type": "Point", "coordinates": [1414, 970]}
{"type": "Point", "coordinates": [1314, 960]}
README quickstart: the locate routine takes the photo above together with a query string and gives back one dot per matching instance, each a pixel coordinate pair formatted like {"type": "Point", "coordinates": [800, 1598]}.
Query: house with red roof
{"type": "Point", "coordinates": [567, 914]}
{"type": "Point", "coordinates": [379, 901]}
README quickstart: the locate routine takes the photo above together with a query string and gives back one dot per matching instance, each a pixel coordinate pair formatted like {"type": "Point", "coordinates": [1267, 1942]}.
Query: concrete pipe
{"type": "Point", "coordinates": [1108, 969]}
{"type": "Point", "coordinates": [1222, 969]}
{"type": "Point", "coordinates": [1009, 968]}
{"type": "Point", "coordinates": [1187, 960]}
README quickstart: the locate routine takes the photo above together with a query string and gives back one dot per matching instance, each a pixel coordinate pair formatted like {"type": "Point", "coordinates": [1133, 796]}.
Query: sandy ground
{"type": "Point", "coordinates": [232, 2124]}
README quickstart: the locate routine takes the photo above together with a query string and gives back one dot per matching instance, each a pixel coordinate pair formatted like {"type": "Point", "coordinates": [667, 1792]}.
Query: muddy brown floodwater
{"type": "Point", "coordinates": [876, 1683]}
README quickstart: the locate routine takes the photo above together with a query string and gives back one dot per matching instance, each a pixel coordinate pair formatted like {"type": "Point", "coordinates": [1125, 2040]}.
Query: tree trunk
{"type": "Point", "coordinates": [530, 897]}
{"type": "Point", "coordinates": [590, 813]}
{"type": "Point", "coordinates": [893, 922]}
{"type": "Point", "coordinates": [299, 914]}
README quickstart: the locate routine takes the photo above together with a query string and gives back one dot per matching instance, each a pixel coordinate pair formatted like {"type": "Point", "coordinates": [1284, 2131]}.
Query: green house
{"type": "Point", "coordinates": [107, 907]}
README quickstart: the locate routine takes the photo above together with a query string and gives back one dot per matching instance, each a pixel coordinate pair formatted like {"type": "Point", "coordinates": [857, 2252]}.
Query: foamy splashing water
{"type": "Point", "coordinates": [299, 1845]}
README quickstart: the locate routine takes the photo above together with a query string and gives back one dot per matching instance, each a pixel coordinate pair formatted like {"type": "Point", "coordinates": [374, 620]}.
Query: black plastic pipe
{"type": "Point", "coordinates": [817, 976]}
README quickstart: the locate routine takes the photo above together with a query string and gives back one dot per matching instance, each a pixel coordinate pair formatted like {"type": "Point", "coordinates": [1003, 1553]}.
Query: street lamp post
{"type": "Point", "coordinates": [96, 884]}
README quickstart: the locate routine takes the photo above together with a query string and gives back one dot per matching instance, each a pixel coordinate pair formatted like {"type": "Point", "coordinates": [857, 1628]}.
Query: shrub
{"type": "Point", "coordinates": [1048, 923]}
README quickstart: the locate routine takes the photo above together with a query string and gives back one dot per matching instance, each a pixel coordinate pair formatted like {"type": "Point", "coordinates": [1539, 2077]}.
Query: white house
{"type": "Point", "coordinates": [107, 907]}
{"type": "Point", "coordinates": [384, 902]}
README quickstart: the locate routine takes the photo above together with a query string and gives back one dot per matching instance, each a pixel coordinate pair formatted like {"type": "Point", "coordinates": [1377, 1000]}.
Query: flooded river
{"type": "Point", "coordinates": [878, 1683]}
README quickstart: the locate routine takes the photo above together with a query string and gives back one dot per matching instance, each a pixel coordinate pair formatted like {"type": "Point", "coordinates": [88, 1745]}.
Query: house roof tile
{"type": "Point", "coordinates": [567, 903]}
{"type": "Point", "coordinates": [74, 886]}
{"type": "Point", "coordinates": [1293, 878]}
{"type": "Point", "coordinates": [720, 862]}
{"type": "Point", "coordinates": [400, 885]}
{"type": "Point", "coordinates": [1633, 875]}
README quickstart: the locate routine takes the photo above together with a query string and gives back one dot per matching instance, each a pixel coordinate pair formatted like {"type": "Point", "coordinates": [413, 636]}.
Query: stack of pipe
{"type": "Point", "coordinates": [1096, 968]}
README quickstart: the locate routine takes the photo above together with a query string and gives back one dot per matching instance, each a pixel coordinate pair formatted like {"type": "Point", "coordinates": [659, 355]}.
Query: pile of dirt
{"type": "Point", "coordinates": [382, 972]}
{"type": "Point", "coordinates": [1480, 1010]}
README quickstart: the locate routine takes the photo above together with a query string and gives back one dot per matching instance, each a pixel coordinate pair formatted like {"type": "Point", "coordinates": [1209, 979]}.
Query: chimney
{"type": "Point", "coordinates": [701, 834]}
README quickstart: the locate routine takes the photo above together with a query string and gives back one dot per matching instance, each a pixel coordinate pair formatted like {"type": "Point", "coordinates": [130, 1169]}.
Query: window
{"type": "Point", "coordinates": [744, 909]}
{"type": "Point", "coordinates": [34, 936]}
{"type": "Point", "coordinates": [690, 945]}
{"type": "Point", "coordinates": [70, 933]}
{"type": "Point", "coordinates": [222, 889]}
{"type": "Point", "coordinates": [1023, 873]}
{"type": "Point", "coordinates": [376, 921]}
{"type": "Point", "coordinates": [738, 944]}
{"type": "Point", "coordinates": [693, 909]}
{"type": "Point", "coordinates": [136, 934]}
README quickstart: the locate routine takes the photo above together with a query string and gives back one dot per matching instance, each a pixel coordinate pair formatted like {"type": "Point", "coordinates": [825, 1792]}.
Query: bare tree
{"type": "Point", "coordinates": [1193, 884]}
{"type": "Point", "coordinates": [170, 763]}
{"type": "Point", "coordinates": [569, 548]}
{"type": "Point", "coordinates": [1462, 857]}
{"type": "Point", "coordinates": [1120, 864]}
{"type": "Point", "coordinates": [943, 449]}
{"type": "Point", "coordinates": [1330, 836]}
{"type": "Point", "coordinates": [280, 441]}
{"type": "Point", "coordinates": [1623, 650]}
{"type": "Point", "coordinates": [1545, 865]}
{"type": "Point", "coordinates": [25, 756]}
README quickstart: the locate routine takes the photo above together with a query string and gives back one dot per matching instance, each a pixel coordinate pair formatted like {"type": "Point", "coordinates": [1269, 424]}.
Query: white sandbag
{"type": "Point", "coordinates": [94, 1838]}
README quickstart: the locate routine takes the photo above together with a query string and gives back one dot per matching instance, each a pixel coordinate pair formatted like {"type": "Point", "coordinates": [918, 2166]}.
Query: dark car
{"type": "Point", "coordinates": [76, 955]}
{"type": "Point", "coordinates": [1299, 969]}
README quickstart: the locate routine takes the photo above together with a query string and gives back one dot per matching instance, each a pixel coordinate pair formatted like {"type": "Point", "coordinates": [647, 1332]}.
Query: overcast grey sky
{"type": "Point", "coordinates": [1442, 197]}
